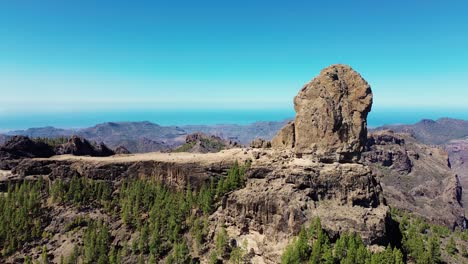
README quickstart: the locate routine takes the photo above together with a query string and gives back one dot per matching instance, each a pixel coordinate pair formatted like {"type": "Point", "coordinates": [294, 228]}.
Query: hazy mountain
{"type": "Point", "coordinates": [436, 132]}
{"type": "Point", "coordinates": [147, 136]}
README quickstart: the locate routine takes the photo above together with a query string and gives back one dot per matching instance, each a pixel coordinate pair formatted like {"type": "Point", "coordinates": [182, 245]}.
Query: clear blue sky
{"type": "Point", "coordinates": [59, 55]}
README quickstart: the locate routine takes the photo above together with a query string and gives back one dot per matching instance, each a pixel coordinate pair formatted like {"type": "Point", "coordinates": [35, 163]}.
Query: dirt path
{"type": "Point", "coordinates": [182, 157]}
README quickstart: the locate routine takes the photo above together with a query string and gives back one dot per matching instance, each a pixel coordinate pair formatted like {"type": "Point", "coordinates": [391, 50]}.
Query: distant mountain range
{"type": "Point", "coordinates": [148, 137]}
{"type": "Point", "coordinates": [436, 132]}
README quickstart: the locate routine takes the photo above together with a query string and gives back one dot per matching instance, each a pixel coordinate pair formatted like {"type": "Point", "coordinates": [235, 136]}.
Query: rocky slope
{"type": "Point", "coordinates": [202, 143]}
{"type": "Point", "coordinates": [449, 134]}
{"type": "Point", "coordinates": [416, 177]}
{"type": "Point", "coordinates": [20, 147]}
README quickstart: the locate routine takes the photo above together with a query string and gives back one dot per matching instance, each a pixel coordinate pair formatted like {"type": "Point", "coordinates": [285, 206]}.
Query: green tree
{"type": "Point", "coordinates": [451, 247]}
{"type": "Point", "coordinates": [221, 241]}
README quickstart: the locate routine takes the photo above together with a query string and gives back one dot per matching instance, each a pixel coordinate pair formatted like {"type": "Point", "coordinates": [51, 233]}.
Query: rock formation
{"type": "Point", "coordinates": [122, 150]}
{"type": "Point", "coordinates": [416, 177]}
{"type": "Point", "coordinates": [260, 143]}
{"type": "Point", "coordinates": [301, 177]}
{"type": "Point", "coordinates": [81, 147]}
{"type": "Point", "coordinates": [202, 143]}
{"type": "Point", "coordinates": [20, 147]}
{"type": "Point", "coordinates": [331, 113]}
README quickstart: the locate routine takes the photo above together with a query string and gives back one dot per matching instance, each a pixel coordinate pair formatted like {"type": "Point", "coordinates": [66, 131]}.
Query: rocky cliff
{"type": "Point", "coordinates": [294, 185]}
{"type": "Point", "coordinates": [416, 177]}
{"type": "Point", "coordinates": [331, 116]}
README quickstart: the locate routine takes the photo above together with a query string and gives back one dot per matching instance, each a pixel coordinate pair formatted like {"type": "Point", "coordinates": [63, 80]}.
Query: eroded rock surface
{"type": "Point", "coordinates": [416, 177]}
{"type": "Point", "coordinates": [20, 147]}
{"type": "Point", "coordinates": [331, 113]}
{"type": "Point", "coordinates": [283, 196]}
{"type": "Point", "coordinates": [82, 147]}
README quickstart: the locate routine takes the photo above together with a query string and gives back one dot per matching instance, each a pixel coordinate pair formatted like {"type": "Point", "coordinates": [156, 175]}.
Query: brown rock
{"type": "Point", "coordinates": [331, 113]}
{"type": "Point", "coordinates": [122, 150]}
{"type": "Point", "coordinates": [285, 137]}
{"type": "Point", "coordinates": [260, 143]}
{"type": "Point", "coordinates": [79, 146]}
{"type": "Point", "coordinates": [415, 177]}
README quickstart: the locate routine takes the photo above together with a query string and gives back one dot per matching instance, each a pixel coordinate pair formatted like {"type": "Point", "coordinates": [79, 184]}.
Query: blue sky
{"type": "Point", "coordinates": [81, 55]}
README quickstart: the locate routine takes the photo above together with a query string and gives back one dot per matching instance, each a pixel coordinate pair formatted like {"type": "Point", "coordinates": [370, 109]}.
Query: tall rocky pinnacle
{"type": "Point", "coordinates": [331, 112]}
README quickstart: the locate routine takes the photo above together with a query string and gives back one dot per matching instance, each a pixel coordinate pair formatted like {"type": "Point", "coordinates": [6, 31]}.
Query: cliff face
{"type": "Point", "coordinates": [458, 153]}
{"type": "Point", "coordinates": [294, 185]}
{"type": "Point", "coordinates": [331, 116]}
{"type": "Point", "coordinates": [281, 197]}
{"type": "Point", "coordinates": [416, 177]}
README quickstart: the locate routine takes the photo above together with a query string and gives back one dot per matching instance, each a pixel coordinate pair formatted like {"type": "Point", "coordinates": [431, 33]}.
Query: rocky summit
{"type": "Point", "coordinates": [331, 113]}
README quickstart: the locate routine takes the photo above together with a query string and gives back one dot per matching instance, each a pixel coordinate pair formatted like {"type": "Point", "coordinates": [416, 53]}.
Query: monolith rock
{"type": "Point", "coordinates": [331, 112]}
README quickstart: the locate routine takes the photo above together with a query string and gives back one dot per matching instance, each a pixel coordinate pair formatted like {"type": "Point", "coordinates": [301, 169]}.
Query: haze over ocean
{"type": "Point", "coordinates": [376, 118]}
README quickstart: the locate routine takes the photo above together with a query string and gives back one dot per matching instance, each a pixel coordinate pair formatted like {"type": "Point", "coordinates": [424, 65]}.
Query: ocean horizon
{"type": "Point", "coordinates": [83, 119]}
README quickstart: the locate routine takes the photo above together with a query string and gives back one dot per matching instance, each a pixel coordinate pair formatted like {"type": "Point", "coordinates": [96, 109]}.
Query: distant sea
{"type": "Point", "coordinates": [377, 117]}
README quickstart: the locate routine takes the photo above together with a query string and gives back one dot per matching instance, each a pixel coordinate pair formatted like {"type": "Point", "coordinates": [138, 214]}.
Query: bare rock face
{"type": "Point", "coordinates": [203, 143]}
{"type": "Point", "coordinates": [81, 147]}
{"type": "Point", "coordinates": [18, 148]}
{"type": "Point", "coordinates": [122, 150]}
{"type": "Point", "coordinates": [331, 113]}
{"type": "Point", "coordinates": [416, 177]}
{"type": "Point", "coordinates": [282, 196]}
{"type": "Point", "coordinates": [260, 143]}
{"type": "Point", "coordinates": [285, 137]}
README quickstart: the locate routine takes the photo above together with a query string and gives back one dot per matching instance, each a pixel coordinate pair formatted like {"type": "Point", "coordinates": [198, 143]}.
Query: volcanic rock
{"type": "Point", "coordinates": [285, 137]}
{"type": "Point", "coordinates": [260, 143]}
{"type": "Point", "coordinates": [331, 112]}
{"type": "Point", "coordinates": [21, 147]}
{"type": "Point", "coordinates": [416, 177]}
{"type": "Point", "coordinates": [122, 150]}
{"type": "Point", "coordinates": [81, 147]}
{"type": "Point", "coordinates": [202, 143]}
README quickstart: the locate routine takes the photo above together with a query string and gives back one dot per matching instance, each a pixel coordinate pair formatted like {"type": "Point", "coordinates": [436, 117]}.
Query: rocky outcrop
{"type": "Point", "coordinates": [416, 177]}
{"type": "Point", "coordinates": [458, 153]}
{"type": "Point", "coordinates": [121, 150]}
{"type": "Point", "coordinates": [81, 147]}
{"type": "Point", "coordinates": [202, 143]}
{"type": "Point", "coordinates": [389, 150]}
{"type": "Point", "coordinates": [285, 137]}
{"type": "Point", "coordinates": [172, 174]}
{"type": "Point", "coordinates": [284, 193]}
{"type": "Point", "coordinates": [331, 114]}
{"type": "Point", "coordinates": [20, 147]}
{"type": "Point", "coordinates": [311, 173]}
{"type": "Point", "coordinates": [260, 143]}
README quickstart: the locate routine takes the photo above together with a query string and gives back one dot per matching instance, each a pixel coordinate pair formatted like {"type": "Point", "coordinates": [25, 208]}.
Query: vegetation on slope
{"type": "Point", "coordinates": [21, 216]}
{"type": "Point", "coordinates": [162, 222]}
{"type": "Point", "coordinates": [422, 243]}
{"type": "Point", "coordinates": [313, 246]}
